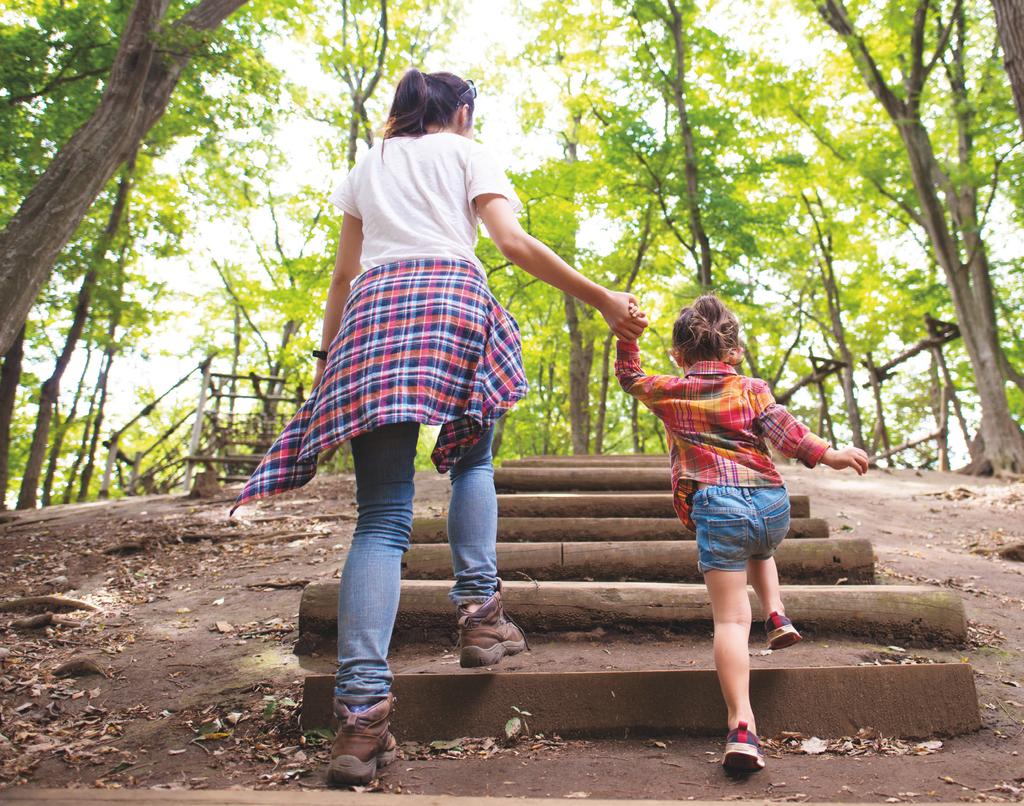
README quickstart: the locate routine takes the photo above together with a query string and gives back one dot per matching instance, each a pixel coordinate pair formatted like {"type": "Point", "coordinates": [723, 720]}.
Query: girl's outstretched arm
{"type": "Point", "coordinates": [346, 269]}
{"type": "Point", "coordinates": [539, 260]}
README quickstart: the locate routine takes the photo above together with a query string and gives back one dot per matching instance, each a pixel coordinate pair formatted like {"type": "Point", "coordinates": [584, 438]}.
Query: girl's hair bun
{"type": "Point", "coordinates": [705, 330]}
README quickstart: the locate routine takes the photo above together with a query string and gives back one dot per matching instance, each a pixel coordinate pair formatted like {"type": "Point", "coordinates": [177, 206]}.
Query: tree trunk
{"type": "Point", "coordinates": [602, 403]}
{"type": "Point", "coordinates": [697, 231]}
{"type": "Point", "coordinates": [50, 391]}
{"type": "Point", "coordinates": [949, 216]}
{"type": "Point", "coordinates": [97, 423]}
{"type": "Point", "coordinates": [101, 382]}
{"type": "Point", "coordinates": [90, 415]}
{"type": "Point", "coordinates": [10, 374]}
{"type": "Point", "coordinates": [634, 423]}
{"type": "Point", "coordinates": [581, 359]}
{"type": "Point", "coordinates": [606, 348]}
{"type": "Point", "coordinates": [939, 399]}
{"type": "Point", "coordinates": [48, 395]}
{"type": "Point", "coordinates": [138, 89]}
{"type": "Point", "coordinates": [1010, 24]}
{"type": "Point", "coordinates": [58, 440]}
{"type": "Point", "coordinates": [826, 266]}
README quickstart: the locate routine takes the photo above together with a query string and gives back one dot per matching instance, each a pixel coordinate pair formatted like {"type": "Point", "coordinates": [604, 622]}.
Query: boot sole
{"type": "Point", "coordinates": [351, 771]}
{"type": "Point", "coordinates": [474, 656]}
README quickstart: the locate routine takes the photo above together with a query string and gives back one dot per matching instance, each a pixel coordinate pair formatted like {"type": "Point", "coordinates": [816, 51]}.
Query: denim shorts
{"type": "Point", "coordinates": [736, 524]}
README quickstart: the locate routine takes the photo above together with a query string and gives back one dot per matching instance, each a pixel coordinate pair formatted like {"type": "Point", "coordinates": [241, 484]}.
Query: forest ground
{"type": "Point", "coordinates": [200, 689]}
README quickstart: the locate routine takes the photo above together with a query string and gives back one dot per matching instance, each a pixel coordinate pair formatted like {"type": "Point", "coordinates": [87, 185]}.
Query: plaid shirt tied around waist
{"type": "Point", "coordinates": [719, 424]}
{"type": "Point", "coordinates": [420, 341]}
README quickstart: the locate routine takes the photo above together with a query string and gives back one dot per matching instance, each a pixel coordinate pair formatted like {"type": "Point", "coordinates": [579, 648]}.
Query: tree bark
{"type": "Point", "coordinates": [10, 374]}
{"type": "Point", "coordinates": [697, 231]}
{"type": "Point", "coordinates": [939, 399]}
{"type": "Point", "coordinates": [49, 393]}
{"type": "Point", "coordinates": [581, 359]}
{"type": "Point", "coordinates": [606, 348]}
{"type": "Point", "coordinates": [1010, 24]}
{"type": "Point", "coordinates": [634, 424]}
{"type": "Point", "coordinates": [101, 382]}
{"type": "Point", "coordinates": [58, 441]}
{"type": "Point", "coordinates": [97, 422]}
{"type": "Point", "coordinates": [141, 81]}
{"type": "Point", "coordinates": [826, 266]}
{"type": "Point", "coordinates": [949, 216]}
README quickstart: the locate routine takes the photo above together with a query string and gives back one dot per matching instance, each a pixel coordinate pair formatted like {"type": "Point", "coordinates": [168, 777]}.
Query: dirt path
{"type": "Point", "coordinates": [195, 624]}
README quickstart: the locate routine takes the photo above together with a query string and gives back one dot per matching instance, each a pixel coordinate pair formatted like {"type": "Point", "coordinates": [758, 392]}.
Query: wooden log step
{"type": "Point", "coordinates": [590, 460]}
{"type": "Point", "coordinates": [514, 530]}
{"type": "Point", "coordinates": [557, 479]}
{"type": "Point", "coordinates": [894, 613]}
{"type": "Point", "coordinates": [820, 562]}
{"type": "Point", "coordinates": [912, 701]}
{"type": "Point", "coordinates": [24, 796]}
{"type": "Point", "coordinates": [607, 505]}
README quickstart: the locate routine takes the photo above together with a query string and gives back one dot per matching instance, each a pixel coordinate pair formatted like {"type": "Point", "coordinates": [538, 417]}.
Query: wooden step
{"type": "Point", "coordinates": [607, 505]}
{"type": "Point", "coordinates": [435, 530]}
{"type": "Point", "coordinates": [904, 614]}
{"type": "Point", "coordinates": [25, 796]}
{"type": "Point", "coordinates": [545, 479]}
{"type": "Point", "coordinates": [592, 460]}
{"type": "Point", "coordinates": [821, 562]}
{"type": "Point", "coordinates": [911, 701]}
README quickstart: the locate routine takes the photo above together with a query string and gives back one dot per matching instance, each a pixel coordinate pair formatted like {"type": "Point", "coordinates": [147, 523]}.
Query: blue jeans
{"type": "Point", "coordinates": [736, 524]}
{"type": "Point", "coordinates": [372, 577]}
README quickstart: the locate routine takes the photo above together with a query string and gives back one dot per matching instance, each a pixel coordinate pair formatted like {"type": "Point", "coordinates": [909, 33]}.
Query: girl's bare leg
{"type": "Point", "coordinates": [764, 576]}
{"type": "Point", "coordinates": [730, 606]}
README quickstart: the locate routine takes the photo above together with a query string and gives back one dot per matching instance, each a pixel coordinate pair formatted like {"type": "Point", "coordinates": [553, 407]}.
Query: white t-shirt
{"type": "Point", "coordinates": [415, 196]}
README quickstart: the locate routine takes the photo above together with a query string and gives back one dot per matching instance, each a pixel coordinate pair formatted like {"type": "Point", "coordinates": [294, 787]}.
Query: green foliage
{"type": "Point", "coordinates": [793, 158]}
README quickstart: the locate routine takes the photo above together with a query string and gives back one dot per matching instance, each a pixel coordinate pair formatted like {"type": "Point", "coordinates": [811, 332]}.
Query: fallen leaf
{"type": "Point", "coordinates": [813, 746]}
{"type": "Point", "coordinates": [513, 727]}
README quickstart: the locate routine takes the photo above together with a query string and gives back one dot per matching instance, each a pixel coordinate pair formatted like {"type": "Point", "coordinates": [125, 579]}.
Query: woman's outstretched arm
{"type": "Point", "coordinates": [346, 269]}
{"type": "Point", "coordinates": [539, 260]}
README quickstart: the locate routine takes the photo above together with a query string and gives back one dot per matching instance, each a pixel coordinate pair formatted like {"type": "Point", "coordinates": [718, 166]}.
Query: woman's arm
{"type": "Point", "coordinates": [534, 257]}
{"type": "Point", "coordinates": [346, 269]}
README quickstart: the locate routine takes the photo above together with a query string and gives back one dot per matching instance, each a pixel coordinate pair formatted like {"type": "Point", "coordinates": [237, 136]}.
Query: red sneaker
{"type": "Point", "coordinates": [781, 632]}
{"type": "Point", "coordinates": [743, 750]}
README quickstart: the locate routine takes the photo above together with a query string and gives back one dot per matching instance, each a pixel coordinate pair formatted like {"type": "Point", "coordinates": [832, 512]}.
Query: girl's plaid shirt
{"type": "Point", "coordinates": [718, 424]}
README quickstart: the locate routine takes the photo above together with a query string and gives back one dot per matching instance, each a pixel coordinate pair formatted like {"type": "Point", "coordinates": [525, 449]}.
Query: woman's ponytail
{"type": "Point", "coordinates": [409, 107]}
{"type": "Point", "coordinates": [423, 100]}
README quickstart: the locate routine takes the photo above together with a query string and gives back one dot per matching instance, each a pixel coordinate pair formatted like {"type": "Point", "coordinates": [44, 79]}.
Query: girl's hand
{"type": "Point", "coordinates": [847, 457]}
{"type": "Point", "coordinates": [622, 313]}
{"type": "Point", "coordinates": [318, 374]}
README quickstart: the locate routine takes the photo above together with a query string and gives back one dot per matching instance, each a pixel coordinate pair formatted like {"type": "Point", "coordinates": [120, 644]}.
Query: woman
{"type": "Point", "coordinates": [417, 338]}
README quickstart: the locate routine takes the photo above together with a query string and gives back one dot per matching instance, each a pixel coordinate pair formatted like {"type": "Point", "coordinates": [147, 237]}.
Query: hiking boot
{"type": "Point", "coordinates": [780, 631]}
{"type": "Point", "coordinates": [488, 634]}
{"type": "Point", "coordinates": [362, 744]}
{"type": "Point", "coordinates": [743, 750]}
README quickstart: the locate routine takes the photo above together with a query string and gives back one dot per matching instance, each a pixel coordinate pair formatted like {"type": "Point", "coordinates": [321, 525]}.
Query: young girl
{"type": "Point", "coordinates": [727, 489]}
{"type": "Point", "coordinates": [417, 338]}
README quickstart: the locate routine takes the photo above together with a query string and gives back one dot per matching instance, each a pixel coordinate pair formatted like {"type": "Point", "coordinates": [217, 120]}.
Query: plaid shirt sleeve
{"type": "Point", "coordinates": [782, 429]}
{"type": "Point", "coordinates": [648, 389]}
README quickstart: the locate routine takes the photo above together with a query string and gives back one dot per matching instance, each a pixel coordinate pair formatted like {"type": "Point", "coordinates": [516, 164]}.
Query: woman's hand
{"type": "Point", "coordinates": [847, 457]}
{"type": "Point", "coordinates": [623, 315]}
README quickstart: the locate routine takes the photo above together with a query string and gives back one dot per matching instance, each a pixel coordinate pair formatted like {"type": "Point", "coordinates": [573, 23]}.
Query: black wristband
{"type": "Point", "coordinates": [321, 354]}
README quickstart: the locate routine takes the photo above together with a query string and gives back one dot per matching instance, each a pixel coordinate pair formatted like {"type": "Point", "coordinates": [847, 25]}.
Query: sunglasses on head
{"type": "Point", "coordinates": [469, 93]}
